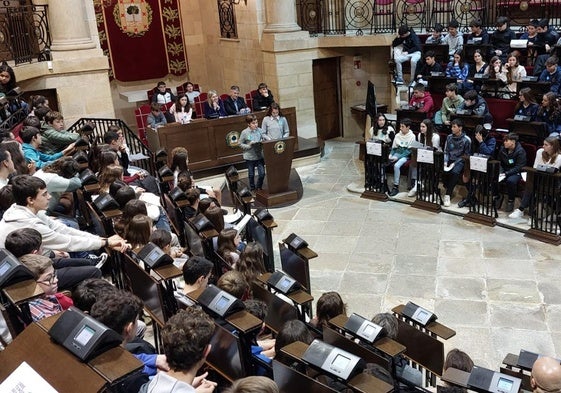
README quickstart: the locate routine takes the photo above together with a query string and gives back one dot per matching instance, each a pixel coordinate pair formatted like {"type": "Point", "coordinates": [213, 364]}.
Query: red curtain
{"type": "Point", "coordinates": [142, 38]}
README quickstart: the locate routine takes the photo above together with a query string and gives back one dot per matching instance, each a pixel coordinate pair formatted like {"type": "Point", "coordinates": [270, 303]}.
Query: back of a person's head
{"type": "Point", "coordinates": [25, 186]}
{"type": "Point", "coordinates": [123, 194]}
{"type": "Point", "coordinates": [389, 324]}
{"type": "Point", "coordinates": [458, 359]}
{"type": "Point", "coordinates": [254, 384]}
{"type": "Point", "coordinates": [234, 283]}
{"type": "Point", "coordinates": [257, 308]}
{"type": "Point", "coordinates": [292, 331]}
{"type": "Point", "coordinates": [185, 337]}
{"type": "Point", "coordinates": [110, 136]}
{"type": "Point", "coordinates": [117, 309]}
{"type": "Point", "coordinates": [6, 198]}
{"type": "Point", "coordinates": [32, 121]}
{"type": "Point", "coordinates": [88, 291]}
{"type": "Point", "coordinates": [27, 133]}
{"type": "Point", "coordinates": [216, 217]}
{"type": "Point", "coordinates": [36, 263]}
{"type": "Point", "coordinates": [403, 29]}
{"type": "Point", "coordinates": [23, 241]}
{"type": "Point", "coordinates": [251, 262]}
{"type": "Point", "coordinates": [470, 95]}
{"type": "Point", "coordinates": [329, 305]}
{"type": "Point", "coordinates": [139, 230]}
{"type": "Point", "coordinates": [196, 267]}
{"type": "Point", "coordinates": [161, 238]}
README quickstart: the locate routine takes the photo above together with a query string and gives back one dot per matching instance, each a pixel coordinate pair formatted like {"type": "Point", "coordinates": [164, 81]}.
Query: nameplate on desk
{"type": "Point", "coordinates": [425, 155]}
{"type": "Point", "coordinates": [478, 164]}
{"type": "Point", "coordinates": [529, 79]}
{"type": "Point", "coordinates": [436, 73]}
{"type": "Point", "coordinates": [374, 148]}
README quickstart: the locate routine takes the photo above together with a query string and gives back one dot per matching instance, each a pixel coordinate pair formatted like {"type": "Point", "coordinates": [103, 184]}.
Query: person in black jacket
{"type": "Point", "coordinates": [406, 47]}
{"type": "Point", "coordinates": [512, 157]}
{"type": "Point", "coordinates": [263, 99]}
{"type": "Point", "coordinates": [429, 66]}
{"type": "Point", "coordinates": [234, 104]}
{"type": "Point", "coordinates": [500, 39]}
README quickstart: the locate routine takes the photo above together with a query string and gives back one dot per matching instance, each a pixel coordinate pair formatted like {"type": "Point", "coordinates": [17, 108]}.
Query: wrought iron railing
{"type": "Point", "coordinates": [140, 155]}
{"type": "Point", "coordinates": [358, 17]}
{"type": "Point", "coordinates": [24, 33]}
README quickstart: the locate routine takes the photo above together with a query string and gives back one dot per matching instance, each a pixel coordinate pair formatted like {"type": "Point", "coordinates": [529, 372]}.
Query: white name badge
{"type": "Point", "coordinates": [374, 149]}
{"type": "Point", "coordinates": [425, 155]}
{"type": "Point", "coordinates": [478, 164]}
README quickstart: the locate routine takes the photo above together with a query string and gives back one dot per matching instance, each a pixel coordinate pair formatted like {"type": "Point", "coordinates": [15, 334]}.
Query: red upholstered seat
{"type": "Point", "coordinates": [141, 114]}
{"type": "Point", "coordinates": [249, 98]}
{"type": "Point", "coordinates": [501, 110]}
{"type": "Point", "coordinates": [199, 104]}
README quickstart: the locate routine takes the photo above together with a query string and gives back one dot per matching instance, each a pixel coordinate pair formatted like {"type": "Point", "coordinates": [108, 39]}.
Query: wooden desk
{"type": "Point", "coordinates": [411, 114]}
{"type": "Point", "coordinates": [23, 291]}
{"type": "Point", "coordinates": [434, 327]}
{"type": "Point", "coordinates": [206, 139]}
{"type": "Point", "coordinates": [456, 377]}
{"type": "Point", "coordinates": [536, 130]}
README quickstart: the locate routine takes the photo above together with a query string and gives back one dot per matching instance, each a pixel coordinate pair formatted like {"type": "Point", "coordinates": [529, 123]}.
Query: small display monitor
{"type": "Point", "coordinates": [4, 267]}
{"type": "Point", "coordinates": [84, 335]}
{"type": "Point", "coordinates": [219, 302]}
{"type": "Point", "coordinates": [12, 270]}
{"type": "Point", "coordinates": [362, 328]}
{"type": "Point", "coordinates": [340, 363]}
{"type": "Point", "coordinates": [282, 282]}
{"type": "Point", "coordinates": [505, 385]}
{"type": "Point", "coordinates": [334, 361]}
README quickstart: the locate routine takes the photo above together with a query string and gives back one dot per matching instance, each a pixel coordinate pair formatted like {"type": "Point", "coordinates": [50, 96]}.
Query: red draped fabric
{"type": "Point", "coordinates": [142, 38]}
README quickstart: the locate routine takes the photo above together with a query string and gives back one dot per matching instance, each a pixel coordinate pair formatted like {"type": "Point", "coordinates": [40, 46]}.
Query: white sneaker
{"type": "Point", "coordinates": [446, 200]}
{"type": "Point", "coordinates": [517, 213]}
{"type": "Point", "coordinates": [412, 192]}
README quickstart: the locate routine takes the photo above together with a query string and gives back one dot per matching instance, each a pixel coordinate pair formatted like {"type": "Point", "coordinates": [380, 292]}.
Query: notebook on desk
{"type": "Point", "coordinates": [519, 43]}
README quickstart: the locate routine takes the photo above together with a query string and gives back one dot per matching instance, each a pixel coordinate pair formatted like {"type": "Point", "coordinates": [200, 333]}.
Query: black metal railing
{"type": "Point", "coordinates": [140, 155]}
{"type": "Point", "coordinates": [358, 17]}
{"type": "Point", "coordinates": [24, 33]}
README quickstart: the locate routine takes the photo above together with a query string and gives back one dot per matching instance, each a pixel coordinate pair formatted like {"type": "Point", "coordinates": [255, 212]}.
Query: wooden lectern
{"type": "Point", "coordinates": [278, 163]}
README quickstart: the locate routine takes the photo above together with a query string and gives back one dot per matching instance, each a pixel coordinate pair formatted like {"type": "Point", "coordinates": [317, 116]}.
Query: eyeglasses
{"type": "Point", "coordinates": [50, 280]}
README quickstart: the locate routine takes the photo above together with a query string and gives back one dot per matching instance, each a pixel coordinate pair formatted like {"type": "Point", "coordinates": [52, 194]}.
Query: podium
{"type": "Point", "coordinates": [278, 163]}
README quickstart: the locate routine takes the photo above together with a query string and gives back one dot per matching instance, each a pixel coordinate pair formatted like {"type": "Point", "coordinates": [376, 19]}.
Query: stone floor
{"type": "Point", "coordinates": [496, 288]}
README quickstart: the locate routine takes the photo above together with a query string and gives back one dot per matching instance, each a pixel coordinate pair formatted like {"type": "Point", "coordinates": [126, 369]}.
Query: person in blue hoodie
{"type": "Point", "coordinates": [552, 74]}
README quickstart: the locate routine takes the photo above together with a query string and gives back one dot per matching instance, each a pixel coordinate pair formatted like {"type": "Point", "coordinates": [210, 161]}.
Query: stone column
{"type": "Point", "coordinates": [281, 16]}
{"type": "Point", "coordinates": [68, 25]}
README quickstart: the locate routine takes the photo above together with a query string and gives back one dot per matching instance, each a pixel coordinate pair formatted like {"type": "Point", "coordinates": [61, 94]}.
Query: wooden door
{"type": "Point", "coordinates": [327, 97]}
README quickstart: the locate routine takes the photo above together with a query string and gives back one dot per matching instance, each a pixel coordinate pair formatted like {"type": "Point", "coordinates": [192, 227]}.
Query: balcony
{"type": "Point", "coordinates": [24, 33]}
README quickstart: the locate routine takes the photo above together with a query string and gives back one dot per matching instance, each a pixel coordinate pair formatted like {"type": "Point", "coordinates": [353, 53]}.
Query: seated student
{"type": "Point", "coordinates": [251, 263]}
{"type": "Point", "coordinates": [436, 37]}
{"type": "Point", "coordinates": [400, 152]}
{"type": "Point", "coordinates": [162, 239]}
{"type": "Point", "coordinates": [119, 310]}
{"type": "Point", "coordinates": [234, 104]}
{"type": "Point", "coordinates": [235, 284]}
{"type": "Point", "coordinates": [263, 98]}
{"type": "Point", "coordinates": [54, 137]}
{"type": "Point", "coordinates": [535, 45]}
{"type": "Point", "coordinates": [550, 113]}
{"type": "Point", "coordinates": [156, 118]}
{"type": "Point", "coordinates": [138, 232]}
{"type": "Point", "coordinates": [381, 130]}
{"type": "Point", "coordinates": [527, 105]}
{"type": "Point", "coordinates": [275, 125]}
{"type": "Point", "coordinates": [406, 47]}
{"type": "Point", "coordinates": [512, 158]}
{"type": "Point", "coordinates": [70, 271]}
{"type": "Point", "coordinates": [459, 360]}
{"type": "Point", "coordinates": [500, 39]}
{"type": "Point", "coordinates": [253, 384]}
{"type": "Point", "coordinates": [428, 137]}
{"type": "Point", "coordinates": [426, 68]}
{"type": "Point", "coordinates": [161, 95]}
{"type": "Point", "coordinates": [213, 107]}
{"type": "Point", "coordinates": [52, 302]}
{"type": "Point", "coordinates": [477, 105]}
{"type": "Point", "coordinates": [181, 110]}
{"type": "Point", "coordinates": [458, 68]}
{"type": "Point", "coordinates": [450, 103]}
{"type": "Point", "coordinates": [476, 72]}
{"type": "Point", "coordinates": [514, 73]}
{"type": "Point", "coordinates": [191, 92]}
{"type": "Point", "coordinates": [485, 144]}
{"type": "Point", "coordinates": [7, 168]}
{"type": "Point", "coordinates": [458, 145]}
{"type": "Point", "coordinates": [548, 35]}
{"type": "Point", "coordinates": [31, 199]}
{"type": "Point", "coordinates": [196, 273]}
{"type": "Point", "coordinates": [479, 35]}
{"type": "Point", "coordinates": [186, 341]}
{"type": "Point", "coordinates": [228, 240]}
{"type": "Point", "coordinates": [390, 329]}
{"type": "Point", "coordinates": [497, 73]}
{"type": "Point", "coordinates": [179, 163]}
{"type": "Point", "coordinates": [60, 176]}
{"type": "Point", "coordinates": [132, 175]}
{"type": "Point", "coordinates": [328, 306]}
{"type": "Point", "coordinates": [552, 74]}
{"type": "Point", "coordinates": [454, 38]}
{"type": "Point", "coordinates": [548, 155]}
{"type": "Point", "coordinates": [193, 197]}
{"type": "Point", "coordinates": [422, 101]}
{"type": "Point", "coordinates": [292, 331]}
{"type": "Point", "coordinates": [262, 348]}
{"type": "Point", "coordinates": [32, 141]}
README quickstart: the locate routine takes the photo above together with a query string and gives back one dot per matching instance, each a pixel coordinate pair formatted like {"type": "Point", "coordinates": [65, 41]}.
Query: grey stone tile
{"type": "Point", "coordinates": [460, 288]}
{"type": "Point", "coordinates": [499, 249]}
{"type": "Point", "coordinates": [556, 338]}
{"type": "Point", "coordinates": [415, 265]}
{"type": "Point", "coordinates": [324, 281]}
{"type": "Point", "coordinates": [366, 305]}
{"type": "Point", "coordinates": [509, 340]}
{"type": "Point", "coordinates": [519, 291]}
{"type": "Point", "coordinates": [412, 286]}
{"type": "Point", "coordinates": [345, 215]}
{"type": "Point", "coordinates": [427, 246]}
{"type": "Point", "coordinates": [336, 244]}
{"type": "Point", "coordinates": [509, 268]}
{"type": "Point", "coordinates": [464, 267]}
{"type": "Point", "coordinates": [330, 261]}
{"type": "Point", "coordinates": [313, 213]}
{"type": "Point", "coordinates": [375, 245]}
{"type": "Point", "coordinates": [551, 291]}
{"type": "Point", "coordinates": [553, 318]}
{"type": "Point", "coordinates": [517, 316]}
{"type": "Point", "coordinates": [304, 227]}
{"type": "Point", "coordinates": [459, 313]}
{"type": "Point", "coordinates": [460, 249]}
{"type": "Point", "coordinates": [475, 341]}
{"type": "Point", "coordinates": [371, 263]}
{"type": "Point", "coordinates": [364, 283]}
